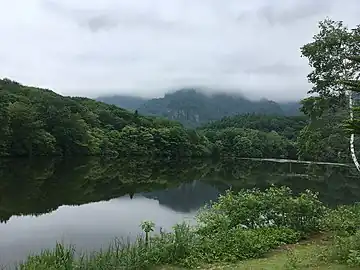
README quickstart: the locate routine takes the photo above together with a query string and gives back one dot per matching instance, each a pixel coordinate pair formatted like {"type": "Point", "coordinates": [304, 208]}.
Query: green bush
{"type": "Point", "coordinates": [345, 249]}
{"type": "Point", "coordinates": [344, 223]}
{"type": "Point", "coordinates": [345, 220]}
{"type": "Point", "coordinates": [241, 244]}
{"type": "Point", "coordinates": [275, 207]}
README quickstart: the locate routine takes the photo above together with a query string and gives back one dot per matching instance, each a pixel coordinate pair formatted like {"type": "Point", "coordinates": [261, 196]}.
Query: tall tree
{"type": "Point", "coordinates": [328, 55]}
{"type": "Point", "coordinates": [354, 122]}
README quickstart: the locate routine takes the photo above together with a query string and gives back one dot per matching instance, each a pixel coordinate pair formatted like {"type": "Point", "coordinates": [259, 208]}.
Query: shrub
{"type": "Point", "coordinates": [240, 244]}
{"type": "Point", "coordinates": [345, 220]}
{"type": "Point", "coordinates": [275, 207]}
{"type": "Point", "coordinates": [345, 249]}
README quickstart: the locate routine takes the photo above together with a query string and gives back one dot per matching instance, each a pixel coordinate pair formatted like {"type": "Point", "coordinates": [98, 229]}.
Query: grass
{"type": "Point", "coordinates": [300, 257]}
{"type": "Point", "coordinates": [291, 257]}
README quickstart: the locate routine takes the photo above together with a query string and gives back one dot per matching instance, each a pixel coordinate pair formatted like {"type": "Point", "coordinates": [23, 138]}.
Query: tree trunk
{"type": "Point", "coordinates": [352, 137]}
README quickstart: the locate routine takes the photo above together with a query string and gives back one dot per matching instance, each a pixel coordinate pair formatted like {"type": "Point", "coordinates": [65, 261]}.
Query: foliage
{"type": "Point", "coordinates": [274, 207]}
{"type": "Point", "coordinates": [287, 126]}
{"type": "Point", "coordinates": [345, 249]}
{"type": "Point", "coordinates": [344, 223]}
{"type": "Point", "coordinates": [147, 227]}
{"type": "Point", "coordinates": [38, 122]}
{"type": "Point", "coordinates": [353, 125]}
{"type": "Point", "coordinates": [255, 136]}
{"type": "Point", "coordinates": [325, 139]}
{"type": "Point", "coordinates": [327, 55]}
{"type": "Point", "coordinates": [332, 76]}
{"type": "Point", "coordinates": [249, 143]}
{"type": "Point", "coordinates": [344, 220]}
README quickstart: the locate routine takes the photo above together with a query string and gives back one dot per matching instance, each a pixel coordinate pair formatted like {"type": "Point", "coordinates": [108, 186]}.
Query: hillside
{"type": "Point", "coordinates": [254, 135]}
{"type": "Point", "coordinates": [39, 122]}
{"type": "Point", "coordinates": [291, 108]}
{"type": "Point", "coordinates": [193, 108]}
{"type": "Point", "coordinates": [287, 126]}
{"type": "Point", "coordinates": [36, 122]}
{"type": "Point", "coordinates": [127, 102]}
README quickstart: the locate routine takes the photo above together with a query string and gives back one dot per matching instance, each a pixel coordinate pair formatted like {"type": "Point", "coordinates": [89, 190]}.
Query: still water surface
{"type": "Point", "coordinates": [88, 203]}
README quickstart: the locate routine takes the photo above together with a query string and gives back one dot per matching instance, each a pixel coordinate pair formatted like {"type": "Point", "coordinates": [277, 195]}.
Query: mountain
{"type": "Point", "coordinates": [122, 101]}
{"type": "Point", "coordinates": [291, 108]}
{"type": "Point", "coordinates": [193, 108]}
{"type": "Point", "coordinates": [39, 122]}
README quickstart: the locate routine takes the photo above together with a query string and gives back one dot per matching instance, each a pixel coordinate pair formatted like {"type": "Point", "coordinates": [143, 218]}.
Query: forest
{"type": "Point", "coordinates": [39, 122]}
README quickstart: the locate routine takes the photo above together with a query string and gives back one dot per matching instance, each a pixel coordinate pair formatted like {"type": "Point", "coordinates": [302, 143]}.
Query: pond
{"type": "Point", "coordinates": [90, 202]}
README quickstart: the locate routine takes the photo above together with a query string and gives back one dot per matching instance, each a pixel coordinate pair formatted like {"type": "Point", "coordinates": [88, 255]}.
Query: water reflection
{"type": "Point", "coordinates": [89, 227]}
{"type": "Point", "coordinates": [89, 202]}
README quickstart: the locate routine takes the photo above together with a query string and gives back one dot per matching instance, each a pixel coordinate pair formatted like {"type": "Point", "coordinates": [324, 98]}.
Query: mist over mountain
{"type": "Point", "coordinates": [127, 102]}
{"type": "Point", "coordinates": [192, 107]}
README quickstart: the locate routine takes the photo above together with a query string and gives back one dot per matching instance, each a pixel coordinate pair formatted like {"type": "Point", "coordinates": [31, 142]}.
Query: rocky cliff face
{"type": "Point", "coordinates": [193, 108]}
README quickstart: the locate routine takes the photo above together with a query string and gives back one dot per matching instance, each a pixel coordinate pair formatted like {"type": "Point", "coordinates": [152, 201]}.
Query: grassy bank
{"type": "Point", "coordinates": [306, 255]}
{"type": "Point", "coordinates": [245, 230]}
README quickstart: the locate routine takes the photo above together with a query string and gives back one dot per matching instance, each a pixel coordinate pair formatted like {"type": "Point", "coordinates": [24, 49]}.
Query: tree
{"type": "Point", "coordinates": [4, 129]}
{"type": "Point", "coordinates": [354, 86]}
{"type": "Point", "coordinates": [328, 55]}
{"type": "Point", "coordinates": [24, 125]}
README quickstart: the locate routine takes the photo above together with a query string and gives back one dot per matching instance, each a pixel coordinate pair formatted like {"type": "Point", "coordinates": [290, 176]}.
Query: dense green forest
{"type": "Point", "coordinates": [326, 139]}
{"type": "Point", "coordinates": [39, 122]}
{"type": "Point", "coordinates": [287, 126]}
{"type": "Point", "coordinates": [254, 136]}
{"type": "Point", "coordinates": [35, 122]}
{"type": "Point", "coordinates": [296, 137]}
{"type": "Point", "coordinates": [193, 108]}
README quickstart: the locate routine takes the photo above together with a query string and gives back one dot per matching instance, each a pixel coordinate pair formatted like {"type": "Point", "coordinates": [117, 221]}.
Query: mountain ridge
{"type": "Point", "coordinates": [192, 107]}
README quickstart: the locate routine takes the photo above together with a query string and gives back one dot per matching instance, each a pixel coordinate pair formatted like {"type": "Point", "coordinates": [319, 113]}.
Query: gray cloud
{"type": "Point", "coordinates": [101, 22]}
{"type": "Point", "coordinates": [143, 47]}
{"type": "Point", "coordinates": [281, 69]}
{"type": "Point", "coordinates": [296, 11]}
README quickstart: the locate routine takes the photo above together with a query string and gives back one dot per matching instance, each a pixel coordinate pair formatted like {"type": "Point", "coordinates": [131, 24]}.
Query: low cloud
{"type": "Point", "coordinates": [146, 47]}
{"type": "Point", "coordinates": [293, 11]}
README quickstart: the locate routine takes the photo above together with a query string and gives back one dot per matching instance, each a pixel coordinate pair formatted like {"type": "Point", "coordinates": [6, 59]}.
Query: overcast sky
{"type": "Point", "coordinates": [147, 47]}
